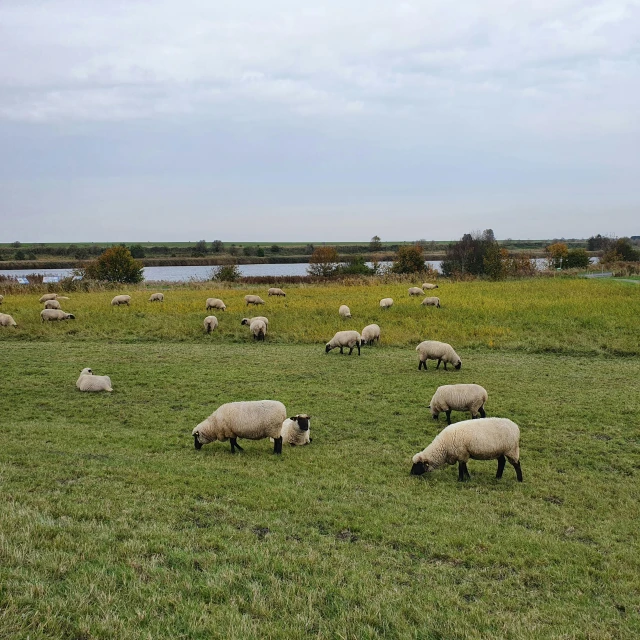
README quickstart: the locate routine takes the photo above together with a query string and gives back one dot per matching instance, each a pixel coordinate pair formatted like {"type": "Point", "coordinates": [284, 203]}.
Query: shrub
{"type": "Point", "coordinates": [620, 250]}
{"type": "Point", "coordinates": [355, 265]}
{"type": "Point", "coordinates": [260, 252]}
{"type": "Point", "coordinates": [217, 246]}
{"type": "Point", "coordinates": [409, 259]}
{"type": "Point", "coordinates": [137, 250]}
{"type": "Point", "coordinates": [201, 247]}
{"type": "Point", "coordinates": [275, 248]}
{"type": "Point", "coordinates": [466, 257]}
{"type": "Point", "coordinates": [496, 262]}
{"type": "Point", "coordinates": [375, 244]}
{"type": "Point", "coordinates": [19, 255]}
{"type": "Point", "coordinates": [576, 259]}
{"type": "Point", "coordinates": [248, 251]}
{"type": "Point", "coordinates": [226, 273]}
{"type": "Point", "coordinates": [116, 264]}
{"type": "Point", "coordinates": [556, 253]}
{"type": "Point", "coordinates": [323, 262]}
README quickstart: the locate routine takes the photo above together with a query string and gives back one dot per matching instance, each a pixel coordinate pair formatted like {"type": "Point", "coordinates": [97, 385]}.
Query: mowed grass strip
{"type": "Point", "coordinates": [113, 526]}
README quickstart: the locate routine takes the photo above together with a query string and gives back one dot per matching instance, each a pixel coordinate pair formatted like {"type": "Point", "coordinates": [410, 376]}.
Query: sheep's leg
{"type": "Point", "coordinates": [350, 350]}
{"type": "Point", "coordinates": [235, 445]}
{"type": "Point", "coordinates": [501, 462]}
{"type": "Point", "coordinates": [448, 414]}
{"type": "Point", "coordinates": [438, 365]}
{"type": "Point", "coordinates": [463, 471]}
{"type": "Point", "coordinates": [445, 367]}
{"type": "Point", "coordinates": [516, 466]}
{"type": "Point", "coordinates": [341, 351]}
{"type": "Point", "coordinates": [482, 413]}
{"type": "Point", "coordinates": [277, 445]}
{"type": "Point", "coordinates": [358, 349]}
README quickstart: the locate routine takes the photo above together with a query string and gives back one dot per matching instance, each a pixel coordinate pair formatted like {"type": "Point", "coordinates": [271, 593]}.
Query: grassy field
{"type": "Point", "coordinates": [113, 526]}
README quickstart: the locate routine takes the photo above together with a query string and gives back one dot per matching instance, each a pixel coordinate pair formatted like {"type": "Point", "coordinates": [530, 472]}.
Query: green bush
{"type": "Point", "coordinates": [115, 265]}
{"type": "Point", "coordinates": [226, 273]}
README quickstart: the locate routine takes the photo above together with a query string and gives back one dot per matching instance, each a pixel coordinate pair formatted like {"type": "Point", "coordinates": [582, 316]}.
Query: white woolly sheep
{"type": "Point", "coordinates": [7, 321]}
{"type": "Point", "coordinates": [370, 334]}
{"type": "Point", "coordinates": [343, 339]}
{"type": "Point", "coordinates": [53, 315]}
{"type": "Point", "coordinates": [258, 328]}
{"type": "Point", "coordinates": [88, 382]}
{"type": "Point", "coordinates": [458, 397]}
{"type": "Point", "coordinates": [52, 296]}
{"type": "Point", "coordinates": [252, 420]}
{"type": "Point", "coordinates": [274, 291]}
{"type": "Point", "coordinates": [296, 430]}
{"type": "Point", "coordinates": [118, 300]}
{"type": "Point", "coordinates": [215, 303]}
{"type": "Point", "coordinates": [427, 285]}
{"type": "Point", "coordinates": [210, 323]}
{"type": "Point", "coordinates": [483, 439]}
{"type": "Point", "coordinates": [157, 297]}
{"type": "Point", "coordinates": [1, 299]}
{"type": "Point", "coordinates": [52, 304]}
{"type": "Point", "coordinates": [385, 303]}
{"type": "Point", "coordinates": [440, 351]}
{"type": "Point", "coordinates": [431, 302]}
{"type": "Point", "coordinates": [416, 291]}
{"type": "Point", "coordinates": [344, 311]}
{"type": "Point", "coordinates": [248, 321]}
{"type": "Point", "coordinates": [251, 299]}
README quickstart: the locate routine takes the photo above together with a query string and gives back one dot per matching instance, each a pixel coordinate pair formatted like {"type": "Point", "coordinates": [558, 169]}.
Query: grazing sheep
{"type": "Point", "coordinates": [215, 303]}
{"type": "Point", "coordinates": [250, 299]}
{"type": "Point", "coordinates": [458, 397]}
{"type": "Point", "coordinates": [296, 430]}
{"type": "Point", "coordinates": [210, 323]}
{"type": "Point", "coordinates": [343, 339]}
{"type": "Point", "coordinates": [483, 439]}
{"type": "Point", "coordinates": [258, 328]}
{"type": "Point", "coordinates": [88, 382]}
{"type": "Point", "coordinates": [118, 300]}
{"type": "Point", "coordinates": [344, 311]}
{"type": "Point", "coordinates": [427, 285]}
{"type": "Point", "coordinates": [55, 314]}
{"type": "Point", "coordinates": [416, 291]}
{"type": "Point", "coordinates": [251, 420]}
{"type": "Point", "coordinates": [7, 321]}
{"type": "Point", "coordinates": [370, 334]}
{"type": "Point", "coordinates": [157, 297]}
{"type": "Point", "coordinates": [52, 296]}
{"type": "Point", "coordinates": [385, 303]}
{"type": "Point", "coordinates": [440, 351]}
{"type": "Point", "coordinates": [52, 304]}
{"type": "Point", "coordinates": [248, 321]}
{"type": "Point", "coordinates": [431, 302]}
{"type": "Point", "coordinates": [274, 291]}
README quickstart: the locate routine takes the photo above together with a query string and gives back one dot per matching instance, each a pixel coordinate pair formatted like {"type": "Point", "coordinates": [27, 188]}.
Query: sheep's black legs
{"type": "Point", "coordinates": [516, 466]}
{"type": "Point", "coordinates": [351, 351]}
{"type": "Point", "coordinates": [482, 413]}
{"type": "Point", "coordinates": [463, 472]}
{"type": "Point", "coordinates": [448, 414]}
{"type": "Point", "coordinates": [235, 445]}
{"type": "Point", "coordinates": [438, 365]}
{"type": "Point", "coordinates": [445, 367]}
{"type": "Point", "coordinates": [277, 445]}
{"type": "Point", "coordinates": [358, 349]}
{"type": "Point", "coordinates": [341, 351]}
{"type": "Point", "coordinates": [501, 462]}
{"type": "Point", "coordinates": [422, 363]}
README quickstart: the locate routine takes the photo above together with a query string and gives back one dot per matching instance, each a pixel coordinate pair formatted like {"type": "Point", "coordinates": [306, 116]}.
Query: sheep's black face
{"type": "Point", "coordinates": [303, 423]}
{"type": "Point", "coordinates": [459, 365]}
{"type": "Point", "coordinates": [245, 321]}
{"type": "Point", "coordinates": [418, 469]}
{"type": "Point", "coordinates": [327, 349]}
{"type": "Point", "coordinates": [197, 444]}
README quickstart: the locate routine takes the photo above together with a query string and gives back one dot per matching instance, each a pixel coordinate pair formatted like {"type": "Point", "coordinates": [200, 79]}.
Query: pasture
{"type": "Point", "coordinates": [113, 526]}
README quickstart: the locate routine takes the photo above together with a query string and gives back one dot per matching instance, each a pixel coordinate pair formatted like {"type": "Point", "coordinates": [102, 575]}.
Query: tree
{"type": "Point", "coordinates": [375, 244]}
{"type": "Point", "coordinates": [496, 262]}
{"type": "Point", "coordinates": [248, 251]}
{"type": "Point", "coordinates": [200, 247]}
{"type": "Point", "coordinates": [260, 252]}
{"type": "Point", "coordinates": [556, 253]}
{"type": "Point", "coordinates": [226, 273]}
{"type": "Point", "coordinates": [621, 250]}
{"type": "Point", "coordinates": [356, 265]}
{"type": "Point", "coordinates": [323, 262]}
{"type": "Point", "coordinates": [19, 255]}
{"type": "Point", "coordinates": [275, 248]}
{"type": "Point", "coordinates": [217, 246]}
{"type": "Point", "coordinates": [116, 264]}
{"type": "Point", "coordinates": [598, 243]}
{"type": "Point", "coordinates": [576, 259]}
{"type": "Point", "coordinates": [137, 250]}
{"type": "Point", "coordinates": [17, 244]}
{"type": "Point", "coordinates": [408, 259]}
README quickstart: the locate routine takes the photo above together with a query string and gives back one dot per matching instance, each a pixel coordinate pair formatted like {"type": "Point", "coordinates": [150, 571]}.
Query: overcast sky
{"type": "Point", "coordinates": [265, 121]}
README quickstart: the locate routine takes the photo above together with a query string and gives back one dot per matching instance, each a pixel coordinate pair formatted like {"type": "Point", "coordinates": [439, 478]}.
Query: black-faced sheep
{"type": "Point", "coordinates": [343, 339]}
{"type": "Point", "coordinates": [458, 397]}
{"type": "Point", "coordinates": [440, 351]}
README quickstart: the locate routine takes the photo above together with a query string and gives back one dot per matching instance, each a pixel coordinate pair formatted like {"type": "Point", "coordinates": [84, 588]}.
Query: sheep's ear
{"type": "Point", "coordinates": [294, 418]}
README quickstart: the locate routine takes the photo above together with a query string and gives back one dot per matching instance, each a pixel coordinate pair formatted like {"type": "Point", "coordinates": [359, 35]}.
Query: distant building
{"type": "Point", "coordinates": [635, 237]}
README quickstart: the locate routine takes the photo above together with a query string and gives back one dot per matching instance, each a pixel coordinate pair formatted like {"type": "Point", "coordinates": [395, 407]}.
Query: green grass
{"type": "Point", "coordinates": [113, 526]}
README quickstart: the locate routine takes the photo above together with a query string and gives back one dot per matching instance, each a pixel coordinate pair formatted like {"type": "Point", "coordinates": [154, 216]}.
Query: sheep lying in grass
{"type": "Point", "coordinates": [53, 315]}
{"type": "Point", "coordinates": [157, 297]}
{"type": "Point", "coordinates": [385, 303]}
{"type": "Point", "coordinates": [274, 291]}
{"type": "Point", "coordinates": [427, 285]}
{"type": "Point", "coordinates": [250, 420]}
{"type": "Point", "coordinates": [296, 430]}
{"type": "Point", "coordinates": [52, 304]}
{"type": "Point", "coordinates": [344, 311]}
{"type": "Point", "coordinates": [370, 334]}
{"type": "Point", "coordinates": [210, 323]}
{"type": "Point", "coordinates": [343, 339]}
{"type": "Point", "coordinates": [440, 351]}
{"type": "Point", "coordinates": [250, 299]}
{"type": "Point", "coordinates": [88, 382]}
{"type": "Point", "coordinates": [52, 296]}
{"type": "Point", "coordinates": [118, 300]}
{"type": "Point", "coordinates": [416, 291]}
{"type": "Point", "coordinates": [215, 303]}
{"type": "Point", "coordinates": [483, 439]}
{"type": "Point", "coordinates": [458, 397]}
{"type": "Point", "coordinates": [7, 321]}
{"type": "Point", "coordinates": [431, 302]}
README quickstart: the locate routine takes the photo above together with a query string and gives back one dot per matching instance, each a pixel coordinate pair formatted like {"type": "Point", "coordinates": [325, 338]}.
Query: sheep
{"type": "Point", "coordinates": [385, 303]}
{"type": "Point", "coordinates": [157, 297]}
{"type": "Point", "coordinates": [210, 323]}
{"type": "Point", "coordinates": [1, 299]}
{"type": "Point", "coordinates": [252, 420]}
{"type": "Point", "coordinates": [250, 299]}
{"type": "Point", "coordinates": [215, 303]}
{"type": "Point", "coordinates": [118, 300]}
{"type": "Point", "coordinates": [52, 304]}
{"type": "Point", "coordinates": [440, 351]}
{"type": "Point", "coordinates": [52, 296]}
{"type": "Point", "coordinates": [427, 285]}
{"type": "Point", "coordinates": [431, 302]}
{"type": "Point", "coordinates": [483, 439]}
{"type": "Point", "coordinates": [88, 382]}
{"type": "Point", "coordinates": [343, 339]}
{"type": "Point", "coordinates": [274, 291]}
{"type": "Point", "coordinates": [415, 291]}
{"type": "Point", "coordinates": [370, 334]}
{"type": "Point", "coordinates": [458, 397]}
{"type": "Point", "coordinates": [248, 321]}
{"type": "Point", "coordinates": [296, 430]}
{"type": "Point", "coordinates": [344, 311]}
{"type": "Point", "coordinates": [258, 328]}
{"type": "Point", "coordinates": [7, 321]}
{"type": "Point", "coordinates": [55, 314]}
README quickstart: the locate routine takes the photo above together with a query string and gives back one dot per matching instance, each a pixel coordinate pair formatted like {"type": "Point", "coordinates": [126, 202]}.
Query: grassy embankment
{"type": "Point", "coordinates": [113, 526]}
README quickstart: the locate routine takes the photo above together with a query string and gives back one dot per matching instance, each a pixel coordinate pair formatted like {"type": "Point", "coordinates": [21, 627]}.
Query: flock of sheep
{"type": "Point", "coordinates": [479, 438]}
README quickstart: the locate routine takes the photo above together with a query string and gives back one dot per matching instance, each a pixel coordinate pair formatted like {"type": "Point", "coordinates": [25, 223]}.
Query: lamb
{"type": "Point", "coordinates": [274, 291]}
{"type": "Point", "coordinates": [343, 339]}
{"type": "Point", "coordinates": [210, 323]}
{"type": "Point", "coordinates": [415, 291]}
{"type": "Point", "coordinates": [53, 315]}
{"type": "Point", "coordinates": [296, 430]}
{"type": "Point", "coordinates": [250, 299]}
{"type": "Point", "coordinates": [157, 297]}
{"type": "Point", "coordinates": [7, 321]}
{"type": "Point", "coordinates": [431, 302]}
{"type": "Point", "coordinates": [252, 420]}
{"type": "Point", "coordinates": [52, 304]}
{"type": "Point", "coordinates": [88, 382]}
{"type": "Point", "coordinates": [258, 328]}
{"type": "Point", "coordinates": [118, 300]}
{"type": "Point", "coordinates": [440, 351]}
{"type": "Point", "coordinates": [483, 439]}
{"type": "Point", "coordinates": [385, 303]}
{"type": "Point", "coordinates": [458, 397]}
{"type": "Point", "coordinates": [370, 334]}
{"type": "Point", "coordinates": [215, 303]}
{"type": "Point", "coordinates": [344, 311]}
{"type": "Point", "coordinates": [52, 296]}
{"type": "Point", "coordinates": [427, 285]}
{"type": "Point", "coordinates": [248, 321]}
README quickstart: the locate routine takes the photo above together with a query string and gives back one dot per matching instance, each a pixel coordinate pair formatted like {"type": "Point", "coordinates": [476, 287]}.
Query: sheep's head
{"type": "Point", "coordinates": [458, 364]}
{"type": "Point", "coordinates": [70, 316]}
{"type": "Point", "coordinates": [327, 347]}
{"type": "Point", "coordinates": [434, 412]}
{"type": "Point", "coordinates": [303, 421]}
{"type": "Point", "coordinates": [420, 466]}
{"type": "Point", "coordinates": [86, 372]}
{"type": "Point", "coordinates": [245, 321]}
